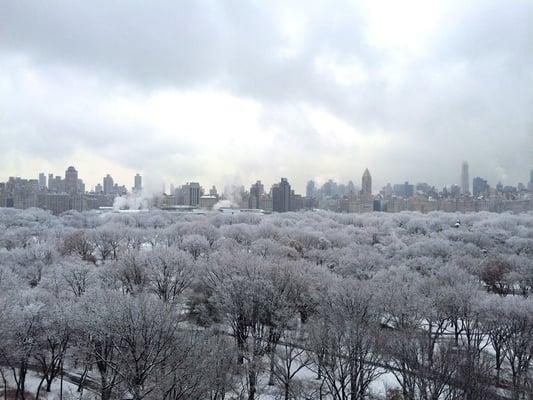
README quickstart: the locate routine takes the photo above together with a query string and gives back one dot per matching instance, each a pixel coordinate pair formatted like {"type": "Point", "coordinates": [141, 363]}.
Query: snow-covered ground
{"type": "Point", "coordinates": [32, 383]}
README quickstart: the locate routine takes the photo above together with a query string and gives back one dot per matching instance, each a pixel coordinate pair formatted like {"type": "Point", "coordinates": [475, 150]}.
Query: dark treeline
{"type": "Point", "coordinates": [315, 305]}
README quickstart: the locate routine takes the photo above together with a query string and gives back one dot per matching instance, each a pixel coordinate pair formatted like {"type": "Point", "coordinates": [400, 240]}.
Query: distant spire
{"type": "Point", "coordinates": [366, 184]}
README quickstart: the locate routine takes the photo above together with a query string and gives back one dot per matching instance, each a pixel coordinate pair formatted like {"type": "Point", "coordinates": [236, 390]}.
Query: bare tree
{"type": "Point", "coordinates": [346, 343]}
{"type": "Point", "coordinates": [170, 272]}
{"type": "Point", "coordinates": [19, 338]}
{"type": "Point", "coordinates": [290, 358]}
{"type": "Point", "coordinates": [144, 332]}
{"type": "Point", "coordinates": [52, 343]}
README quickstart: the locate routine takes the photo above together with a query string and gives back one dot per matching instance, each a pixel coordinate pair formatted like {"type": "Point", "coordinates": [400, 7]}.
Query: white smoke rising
{"type": "Point", "coordinates": [133, 201]}
{"type": "Point", "coordinates": [232, 194]}
{"type": "Point", "coordinates": [224, 204]}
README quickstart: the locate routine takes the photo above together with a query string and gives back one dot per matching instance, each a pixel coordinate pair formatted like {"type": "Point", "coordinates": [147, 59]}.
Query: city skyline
{"type": "Point", "coordinates": [57, 195]}
{"type": "Point", "coordinates": [154, 184]}
{"type": "Point", "coordinates": [217, 92]}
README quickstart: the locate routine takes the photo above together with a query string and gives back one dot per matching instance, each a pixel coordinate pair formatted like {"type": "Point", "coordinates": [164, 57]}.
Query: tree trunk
{"type": "Point", "coordinates": [39, 389]}
{"type": "Point", "coordinates": [106, 393]}
{"type": "Point", "coordinates": [251, 384]}
{"type": "Point", "coordinates": [61, 383]}
{"type": "Point", "coordinates": [82, 379]}
{"type": "Point", "coordinates": [4, 380]}
{"type": "Point", "coordinates": [353, 387]}
{"type": "Point", "coordinates": [21, 387]}
{"type": "Point", "coordinates": [48, 385]}
{"type": "Point", "coordinates": [272, 366]}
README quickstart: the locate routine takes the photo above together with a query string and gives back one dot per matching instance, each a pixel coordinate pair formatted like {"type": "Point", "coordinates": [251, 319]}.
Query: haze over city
{"type": "Point", "coordinates": [222, 92]}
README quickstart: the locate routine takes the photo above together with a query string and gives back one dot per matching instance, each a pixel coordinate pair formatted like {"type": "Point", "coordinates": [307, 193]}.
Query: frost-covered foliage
{"type": "Point", "coordinates": [311, 305]}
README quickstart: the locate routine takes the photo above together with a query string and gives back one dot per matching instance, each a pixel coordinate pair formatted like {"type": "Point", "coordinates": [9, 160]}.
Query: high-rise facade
{"type": "Point", "coordinates": [465, 185]}
{"type": "Point", "coordinates": [281, 196]}
{"type": "Point", "coordinates": [329, 188]}
{"type": "Point", "coordinates": [56, 184]}
{"type": "Point", "coordinates": [108, 184]}
{"type": "Point", "coordinates": [310, 189]}
{"type": "Point", "coordinates": [480, 187]}
{"type": "Point", "coordinates": [71, 180]}
{"type": "Point", "coordinates": [192, 193]}
{"type": "Point", "coordinates": [366, 184]}
{"type": "Point", "coordinates": [138, 185]}
{"type": "Point", "coordinates": [350, 189]}
{"type": "Point", "coordinates": [403, 190]}
{"type": "Point", "coordinates": [256, 191]}
{"type": "Point", "coordinates": [81, 186]}
{"type": "Point", "coordinates": [42, 181]}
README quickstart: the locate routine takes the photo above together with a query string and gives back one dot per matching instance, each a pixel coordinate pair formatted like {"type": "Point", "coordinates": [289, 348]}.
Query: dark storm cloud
{"type": "Point", "coordinates": [468, 95]}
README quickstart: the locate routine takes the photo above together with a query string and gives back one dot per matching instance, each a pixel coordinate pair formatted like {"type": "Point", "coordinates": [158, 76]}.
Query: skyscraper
{"type": "Point", "coordinates": [71, 180]}
{"type": "Point", "coordinates": [42, 181]}
{"type": "Point", "coordinates": [479, 187]}
{"type": "Point", "coordinates": [256, 191]}
{"type": "Point", "coordinates": [350, 188]}
{"type": "Point", "coordinates": [366, 184]}
{"type": "Point", "coordinates": [137, 186]}
{"type": "Point", "coordinates": [281, 196]}
{"type": "Point", "coordinates": [310, 189]}
{"type": "Point", "coordinates": [193, 193]}
{"type": "Point", "coordinates": [404, 190]}
{"type": "Point", "coordinates": [465, 185]}
{"type": "Point", "coordinates": [108, 184]}
{"type": "Point", "coordinates": [189, 194]}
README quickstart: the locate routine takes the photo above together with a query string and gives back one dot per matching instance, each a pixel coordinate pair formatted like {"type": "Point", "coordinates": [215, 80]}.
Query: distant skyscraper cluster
{"type": "Point", "coordinates": [59, 194]}
{"type": "Point", "coordinates": [425, 198]}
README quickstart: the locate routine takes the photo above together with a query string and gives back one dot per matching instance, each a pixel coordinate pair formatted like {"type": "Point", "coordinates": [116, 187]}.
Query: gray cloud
{"type": "Point", "coordinates": [467, 95]}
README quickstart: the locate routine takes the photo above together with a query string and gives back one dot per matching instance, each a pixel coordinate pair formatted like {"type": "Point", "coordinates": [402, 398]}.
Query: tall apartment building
{"type": "Point", "coordinates": [256, 191]}
{"type": "Point", "coordinates": [404, 190]}
{"type": "Point", "coordinates": [281, 196]}
{"type": "Point", "coordinates": [108, 184]}
{"type": "Point", "coordinates": [191, 193]}
{"type": "Point", "coordinates": [465, 185]}
{"type": "Point", "coordinates": [480, 187]}
{"type": "Point", "coordinates": [310, 189]}
{"type": "Point", "coordinates": [366, 184]}
{"type": "Point", "coordinates": [138, 185]}
{"type": "Point", "coordinates": [42, 181]}
{"type": "Point", "coordinates": [56, 184]}
{"type": "Point", "coordinates": [71, 180]}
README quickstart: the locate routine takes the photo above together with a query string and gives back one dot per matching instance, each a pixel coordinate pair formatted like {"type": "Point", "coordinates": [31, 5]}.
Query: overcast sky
{"type": "Point", "coordinates": [234, 91]}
